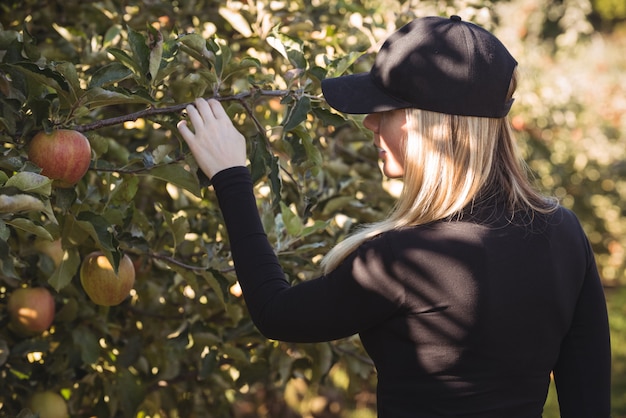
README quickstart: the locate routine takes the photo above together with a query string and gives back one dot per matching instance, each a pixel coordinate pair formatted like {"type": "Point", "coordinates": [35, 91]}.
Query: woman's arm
{"type": "Point", "coordinates": [337, 305]}
{"type": "Point", "coordinates": [583, 370]}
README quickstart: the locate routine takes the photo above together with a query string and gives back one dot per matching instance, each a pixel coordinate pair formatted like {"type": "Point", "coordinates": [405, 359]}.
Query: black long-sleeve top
{"type": "Point", "coordinates": [465, 317]}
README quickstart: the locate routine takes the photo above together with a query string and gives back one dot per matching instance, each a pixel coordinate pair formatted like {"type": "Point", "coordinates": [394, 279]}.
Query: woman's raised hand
{"type": "Point", "coordinates": [214, 141]}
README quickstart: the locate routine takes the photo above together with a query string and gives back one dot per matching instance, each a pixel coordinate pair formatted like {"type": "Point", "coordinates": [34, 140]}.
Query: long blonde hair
{"type": "Point", "coordinates": [449, 161]}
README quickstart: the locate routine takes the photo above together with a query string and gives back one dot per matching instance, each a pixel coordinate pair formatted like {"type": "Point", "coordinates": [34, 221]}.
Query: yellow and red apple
{"type": "Point", "coordinates": [103, 286]}
{"type": "Point", "coordinates": [63, 155]}
{"type": "Point", "coordinates": [48, 404]}
{"type": "Point", "coordinates": [31, 310]}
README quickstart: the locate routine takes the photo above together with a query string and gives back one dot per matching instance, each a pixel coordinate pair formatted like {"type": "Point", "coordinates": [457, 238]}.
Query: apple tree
{"type": "Point", "coordinates": [181, 342]}
{"type": "Point", "coordinates": [121, 73]}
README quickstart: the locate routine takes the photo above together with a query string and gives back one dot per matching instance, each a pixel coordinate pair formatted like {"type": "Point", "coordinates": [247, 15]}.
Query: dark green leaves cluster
{"type": "Point", "coordinates": [183, 334]}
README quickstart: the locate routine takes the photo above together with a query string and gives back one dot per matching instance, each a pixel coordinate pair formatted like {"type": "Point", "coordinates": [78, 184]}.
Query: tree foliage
{"type": "Point", "coordinates": [122, 73]}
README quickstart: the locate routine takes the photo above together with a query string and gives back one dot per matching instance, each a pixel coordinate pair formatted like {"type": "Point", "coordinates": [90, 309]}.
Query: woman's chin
{"type": "Point", "coordinates": [392, 172]}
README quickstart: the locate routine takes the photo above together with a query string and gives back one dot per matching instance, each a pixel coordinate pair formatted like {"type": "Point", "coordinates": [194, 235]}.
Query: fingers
{"type": "Point", "coordinates": [212, 138]}
{"type": "Point", "coordinates": [217, 109]}
{"type": "Point", "coordinates": [194, 116]}
{"type": "Point", "coordinates": [184, 130]}
{"type": "Point", "coordinates": [210, 109]}
{"type": "Point", "coordinates": [204, 109]}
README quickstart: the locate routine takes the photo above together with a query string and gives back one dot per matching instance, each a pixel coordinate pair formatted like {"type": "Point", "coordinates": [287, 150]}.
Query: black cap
{"type": "Point", "coordinates": [432, 63]}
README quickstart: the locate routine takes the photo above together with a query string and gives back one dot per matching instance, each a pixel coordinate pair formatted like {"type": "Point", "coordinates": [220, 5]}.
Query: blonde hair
{"type": "Point", "coordinates": [450, 161]}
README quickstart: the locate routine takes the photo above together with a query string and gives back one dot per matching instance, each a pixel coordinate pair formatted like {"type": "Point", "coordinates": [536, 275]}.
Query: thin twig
{"type": "Point", "coordinates": [187, 266]}
{"type": "Point", "coordinates": [152, 111]}
{"type": "Point", "coordinates": [176, 262]}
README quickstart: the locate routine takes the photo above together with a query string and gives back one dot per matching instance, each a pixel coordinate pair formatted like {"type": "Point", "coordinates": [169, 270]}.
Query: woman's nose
{"type": "Point", "coordinates": [371, 122]}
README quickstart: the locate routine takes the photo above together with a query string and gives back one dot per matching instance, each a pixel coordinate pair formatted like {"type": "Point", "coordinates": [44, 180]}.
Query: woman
{"type": "Point", "coordinates": [476, 287]}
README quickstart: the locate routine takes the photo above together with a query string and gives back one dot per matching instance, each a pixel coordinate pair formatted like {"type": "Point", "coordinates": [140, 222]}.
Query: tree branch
{"type": "Point", "coordinates": [152, 111]}
{"type": "Point", "coordinates": [172, 260]}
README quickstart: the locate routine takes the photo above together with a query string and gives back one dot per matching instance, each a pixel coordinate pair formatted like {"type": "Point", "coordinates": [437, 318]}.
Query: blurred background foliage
{"type": "Point", "coordinates": [183, 344]}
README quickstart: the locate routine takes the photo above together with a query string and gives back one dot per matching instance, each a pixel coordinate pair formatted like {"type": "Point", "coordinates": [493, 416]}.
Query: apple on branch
{"type": "Point", "coordinates": [48, 404]}
{"type": "Point", "coordinates": [100, 282]}
{"type": "Point", "coordinates": [63, 155]}
{"type": "Point", "coordinates": [31, 310]}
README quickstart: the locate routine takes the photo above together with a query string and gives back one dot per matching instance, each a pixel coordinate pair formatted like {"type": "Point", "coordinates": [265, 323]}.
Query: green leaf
{"type": "Point", "coordinates": [109, 74]}
{"type": "Point", "coordinates": [292, 221]}
{"type": "Point", "coordinates": [156, 52]}
{"type": "Point", "coordinates": [237, 21]}
{"type": "Point", "coordinates": [101, 231]}
{"type": "Point", "coordinates": [339, 66]}
{"type": "Point", "coordinates": [337, 204]}
{"type": "Point", "coordinates": [29, 226]}
{"type": "Point", "coordinates": [235, 353]}
{"type": "Point", "coordinates": [222, 58]}
{"type": "Point", "coordinates": [110, 35]}
{"type": "Point", "coordinates": [178, 176]}
{"type": "Point", "coordinates": [27, 181]}
{"type": "Point", "coordinates": [13, 52]}
{"type": "Point", "coordinates": [68, 71]}
{"type": "Point", "coordinates": [130, 392]}
{"type": "Point", "coordinates": [250, 62]}
{"type": "Point", "coordinates": [49, 78]}
{"type": "Point", "coordinates": [316, 227]}
{"type": "Point", "coordinates": [160, 154]}
{"type": "Point", "coordinates": [313, 160]}
{"type": "Point", "coordinates": [85, 339]}
{"type": "Point", "coordinates": [196, 46]}
{"type": "Point", "coordinates": [66, 270]}
{"type": "Point", "coordinates": [215, 284]}
{"type": "Point", "coordinates": [20, 203]}
{"type": "Point", "coordinates": [125, 59]}
{"type": "Point", "coordinates": [208, 364]}
{"type": "Point", "coordinates": [141, 52]}
{"type": "Point", "coordinates": [7, 266]}
{"type": "Point", "coordinates": [98, 97]}
{"type": "Point", "coordinates": [290, 48]}
{"type": "Point", "coordinates": [274, 178]}
{"type": "Point", "coordinates": [179, 226]}
{"type": "Point", "coordinates": [263, 163]}
{"type": "Point", "coordinates": [297, 113]}
{"type": "Point", "coordinates": [11, 90]}
{"type": "Point", "coordinates": [65, 198]}
{"type": "Point", "coordinates": [328, 117]}
{"type": "Point", "coordinates": [275, 41]}
{"type": "Point", "coordinates": [322, 359]}
{"type": "Point", "coordinates": [7, 37]}
{"type": "Point", "coordinates": [5, 232]}
{"type": "Point", "coordinates": [125, 190]}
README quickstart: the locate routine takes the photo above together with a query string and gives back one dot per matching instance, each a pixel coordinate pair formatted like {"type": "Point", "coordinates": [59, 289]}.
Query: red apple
{"type": "Point", "coordinates": [63, 155]}
{"type": "Point", "coordinates": [100, 282]}
{"type": "Point", "coordinates": [48, 404]}
{"type": "Point", "coordinates": [31, 310]}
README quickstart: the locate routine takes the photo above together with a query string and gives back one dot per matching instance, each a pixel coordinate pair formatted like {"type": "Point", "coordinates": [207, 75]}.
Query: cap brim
{"type": "Point", "coordinates": [357, 94]}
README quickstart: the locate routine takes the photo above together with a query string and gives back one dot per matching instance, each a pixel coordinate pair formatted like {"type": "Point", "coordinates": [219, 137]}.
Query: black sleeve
{"type": "Point", "coordinates": [337, 305]}
{"type": "Point", "coordinates": [583, 371]}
